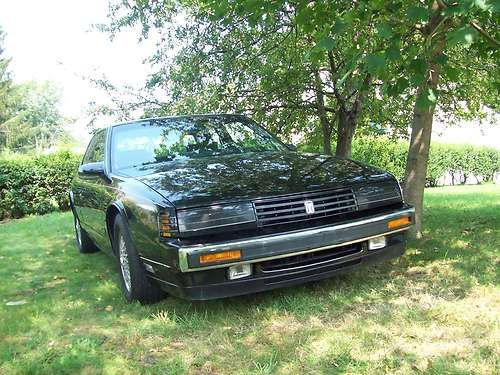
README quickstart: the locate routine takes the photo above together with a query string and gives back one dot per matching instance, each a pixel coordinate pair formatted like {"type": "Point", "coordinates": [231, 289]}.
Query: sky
{"type": "Point", "coordinates": [54, 40]}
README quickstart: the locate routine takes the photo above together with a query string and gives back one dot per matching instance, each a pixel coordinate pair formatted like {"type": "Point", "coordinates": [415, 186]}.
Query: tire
{"type": "Point", "coordinates": [83, 242]}
{"type": "Point", "coordinates": [135, 283]}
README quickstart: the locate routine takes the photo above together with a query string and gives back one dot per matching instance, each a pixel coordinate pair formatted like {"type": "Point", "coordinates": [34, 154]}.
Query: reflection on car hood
{"type": "Point", "coordinates": [210, 180]}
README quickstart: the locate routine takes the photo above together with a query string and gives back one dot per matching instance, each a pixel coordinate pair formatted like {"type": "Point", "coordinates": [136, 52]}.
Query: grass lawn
{"type": "Point", "coordinates": [435, 310]}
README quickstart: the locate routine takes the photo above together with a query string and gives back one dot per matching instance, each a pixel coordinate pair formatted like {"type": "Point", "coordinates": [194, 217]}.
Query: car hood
{"type": "Point", "coordinates": [229, 178]}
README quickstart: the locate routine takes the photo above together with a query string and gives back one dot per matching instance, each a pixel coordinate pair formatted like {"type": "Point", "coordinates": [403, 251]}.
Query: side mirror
{"type": "Point", "coordinates": [291, 147]}
{"type": "Point", "coordinates": [91, 169]}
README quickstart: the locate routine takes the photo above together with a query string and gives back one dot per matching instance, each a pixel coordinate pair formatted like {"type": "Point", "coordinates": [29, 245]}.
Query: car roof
{"type": "Point", "coordinates": [207, 115]}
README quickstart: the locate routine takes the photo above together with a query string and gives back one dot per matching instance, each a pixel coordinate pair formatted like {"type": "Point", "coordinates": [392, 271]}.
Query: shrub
{"type": "Point", "coordinates": [460, 161]}
{"type": "Point", "coordinates": [35, 185]}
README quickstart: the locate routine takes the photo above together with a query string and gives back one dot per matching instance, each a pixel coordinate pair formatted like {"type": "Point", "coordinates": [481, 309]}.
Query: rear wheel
{"type": "Point", "coordinates": [83, 242]}
{"type": "Point", "coordinates": [135, 283]}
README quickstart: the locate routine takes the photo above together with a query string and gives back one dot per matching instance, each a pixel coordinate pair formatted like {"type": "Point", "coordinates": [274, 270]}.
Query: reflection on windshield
{"type": "Point", "coordinates": [160, 140]}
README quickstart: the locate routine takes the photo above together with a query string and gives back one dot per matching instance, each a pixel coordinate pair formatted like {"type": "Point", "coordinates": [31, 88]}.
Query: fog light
{"type": "Point", "coordinates": [377, 243]}
{"type": "Point", "coordinates": [239, 271]}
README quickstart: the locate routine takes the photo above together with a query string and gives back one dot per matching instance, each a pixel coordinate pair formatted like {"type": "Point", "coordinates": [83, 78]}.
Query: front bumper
{"type": "Point", "coordinates": [204, 290]}
{"type": "Point", "coordinates": [268, 247]}
{"type": "Point", "coordinates": [195, 281]}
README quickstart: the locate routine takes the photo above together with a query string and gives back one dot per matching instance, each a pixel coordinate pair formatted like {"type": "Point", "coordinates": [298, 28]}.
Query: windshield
{"type": "Point", "coordinates": [159, 140]}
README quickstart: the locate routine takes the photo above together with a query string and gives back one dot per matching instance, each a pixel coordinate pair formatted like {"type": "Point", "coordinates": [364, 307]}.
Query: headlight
{"type": "Point", "coordinates": [378, 194]}
{"type": "Point", "coordinates": [215, 216]}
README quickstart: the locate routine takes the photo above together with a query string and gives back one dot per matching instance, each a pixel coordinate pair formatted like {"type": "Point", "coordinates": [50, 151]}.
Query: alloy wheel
{"type": "Point", "coordinates": [124, 264]}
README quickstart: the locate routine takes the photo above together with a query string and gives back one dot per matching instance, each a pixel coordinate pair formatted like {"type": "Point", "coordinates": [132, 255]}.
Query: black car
{"type": "Point", "coordinates": [212, 206]}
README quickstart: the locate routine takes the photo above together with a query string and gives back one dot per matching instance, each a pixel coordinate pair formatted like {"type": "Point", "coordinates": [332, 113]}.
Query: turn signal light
{"type": "Point", "coordinates": [167, 225]}
{"type": "Point", "coordinates": [220, 256]}
{"type": "Point", "coordinates": [396, 223]}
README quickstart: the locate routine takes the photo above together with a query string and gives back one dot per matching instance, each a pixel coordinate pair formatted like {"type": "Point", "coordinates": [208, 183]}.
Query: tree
{"type": "Point", "coordinates": [339, 64]}
{"type": "Point", "coordinates": [286, 63]}
{"type": "Point", "coordinates": [5, 88]}
{"type": "Point", "coordinates": [447, 33]}
{"type": "Point", "coordinates": [34, 121]}
{"type": "Point", "coordinates": [29, 113]}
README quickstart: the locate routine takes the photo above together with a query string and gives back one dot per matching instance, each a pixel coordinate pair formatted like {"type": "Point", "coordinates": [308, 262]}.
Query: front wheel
{"type": "Point", "coordinates": [136, 285]}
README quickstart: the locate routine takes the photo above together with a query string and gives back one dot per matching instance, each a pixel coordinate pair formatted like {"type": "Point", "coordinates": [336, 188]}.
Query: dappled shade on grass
{"type": "Point", "coordinates": [435, 309]}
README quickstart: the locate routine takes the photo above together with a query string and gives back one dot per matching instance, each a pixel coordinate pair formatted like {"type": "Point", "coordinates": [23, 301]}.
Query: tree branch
{"type": "Point", "coordinates": [484, 33]}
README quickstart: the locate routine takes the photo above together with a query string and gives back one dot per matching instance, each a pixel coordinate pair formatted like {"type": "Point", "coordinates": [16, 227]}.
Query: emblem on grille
{"type": "Point", "coordinates": [309, 205]}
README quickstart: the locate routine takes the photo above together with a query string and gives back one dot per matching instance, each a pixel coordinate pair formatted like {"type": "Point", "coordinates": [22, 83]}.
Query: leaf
{"type": "Point", "coordinates": [376, 63]}
{"type": "Point", "coordinates": [402, 84]}
{"type": "Point", "coordinates": [312, 55]}
{"type": "Point", "coordinates": [416, 79]}
{"type": "Point", "coordinates": [417, 14]}
{"type": "Point", "coordinates": [339, 26]}
{"type": "Point", "coordinates": [304, 16]}
{"type": "Point", "coordinates": [419, 66]}
{"type": "Point", "coordinates": [384, 30]}
{"type": "Point", "coordinates": [327, 43]}
{"type": "Point", "coordinates": [426, 99]}
{"type": "Point", "coordinates": [452, 73]}
{"type": "Point", "coordinates": [441, 59]}
{"type": "Point", "coordinates": [464, 35]}
{"type": "Point", "coordinates": [392, 90]}
{"type": "Point", "coordinates": [431, 96]}
{"type": "Point", "coordinates": [483, 5]}
{"type": "Point", "coordinates": [392, 53]}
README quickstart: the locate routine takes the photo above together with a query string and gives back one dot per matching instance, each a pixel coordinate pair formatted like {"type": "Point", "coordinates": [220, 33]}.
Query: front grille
{"type": "Point", "coordinates": [291, 208]}
{"type": "Point", "coordinates": [310, 259]}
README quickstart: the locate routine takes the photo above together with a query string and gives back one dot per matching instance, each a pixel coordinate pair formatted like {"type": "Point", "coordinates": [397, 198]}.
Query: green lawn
{"type": "Point", "coordinates": [435, 310]}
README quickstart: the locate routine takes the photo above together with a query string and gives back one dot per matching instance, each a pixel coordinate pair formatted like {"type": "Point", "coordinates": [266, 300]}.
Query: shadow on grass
{"type": "Point", "coordinates": [376, 319]}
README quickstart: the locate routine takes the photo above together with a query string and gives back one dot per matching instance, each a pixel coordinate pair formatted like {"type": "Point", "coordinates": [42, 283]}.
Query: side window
{"type": "Point", "coordinates": [95, 151]}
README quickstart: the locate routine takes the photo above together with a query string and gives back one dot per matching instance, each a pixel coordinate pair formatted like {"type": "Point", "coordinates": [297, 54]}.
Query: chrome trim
{"type": "Point", "coordinates": [154, 262]}
{"type": "Point", "coordinates": [400, 190]}
{"type": "Point", "coordinates": [380, 200]}
{"type": "Point", "coordinates": [219, 226]}
{"type": "Point", "coordinates": [223, 265]}
{"type": "Point", "coordinates": [184, 251]}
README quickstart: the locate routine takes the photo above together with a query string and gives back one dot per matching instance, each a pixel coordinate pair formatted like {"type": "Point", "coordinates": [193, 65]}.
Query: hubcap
{"type": "Point", "coordinates": [124, 263]}
{"type": "Point", "coordinates": [78, 230]}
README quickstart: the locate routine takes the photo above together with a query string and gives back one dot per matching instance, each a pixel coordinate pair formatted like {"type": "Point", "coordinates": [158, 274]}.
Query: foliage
{"type": "Point", "coordinates": [460, 161]}
{"type": "Point", "coordinates": [35, 184]}
{"type": "Point", "coordinates": [288, 74]}
{"type": "Point", "coordinates": [35, 121]}
{"type": "Point", "coordinates": [261, 58]}
{"type": "Point", "coordinates": [5, 84]}
{"type": "Point", "coordinates": [29, 112]}
{"type": "Point", "coordinates": [433, 311]}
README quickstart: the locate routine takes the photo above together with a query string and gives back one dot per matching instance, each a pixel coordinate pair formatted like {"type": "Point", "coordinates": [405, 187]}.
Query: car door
{"type": "Point", "coordinates": [91, 192]}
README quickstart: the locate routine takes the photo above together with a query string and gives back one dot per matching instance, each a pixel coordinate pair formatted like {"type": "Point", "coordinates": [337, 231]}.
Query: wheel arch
{"type": "Point", "coordinates": [114, 209]}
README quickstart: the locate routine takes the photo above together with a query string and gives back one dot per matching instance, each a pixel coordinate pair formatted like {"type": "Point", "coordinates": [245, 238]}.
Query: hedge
{"type": "Point", "coordinates": [460, 161]}
{"type": "Point", "coordinates": [35, 185]}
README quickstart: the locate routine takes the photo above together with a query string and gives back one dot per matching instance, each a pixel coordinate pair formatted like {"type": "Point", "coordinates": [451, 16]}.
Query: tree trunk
{"type": "Point", "coordinates": [327, 136]}
{"type": "Point", "coordinates": [421, 129]}
{"type": "Point", "coordinates": [348, 120]}
{"type": "Point", "coordinates": [326, 127]}
{"type": "Point", "coordinates": [416, 164]}
{"type": "Point", "coordinates": [345, 133]}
